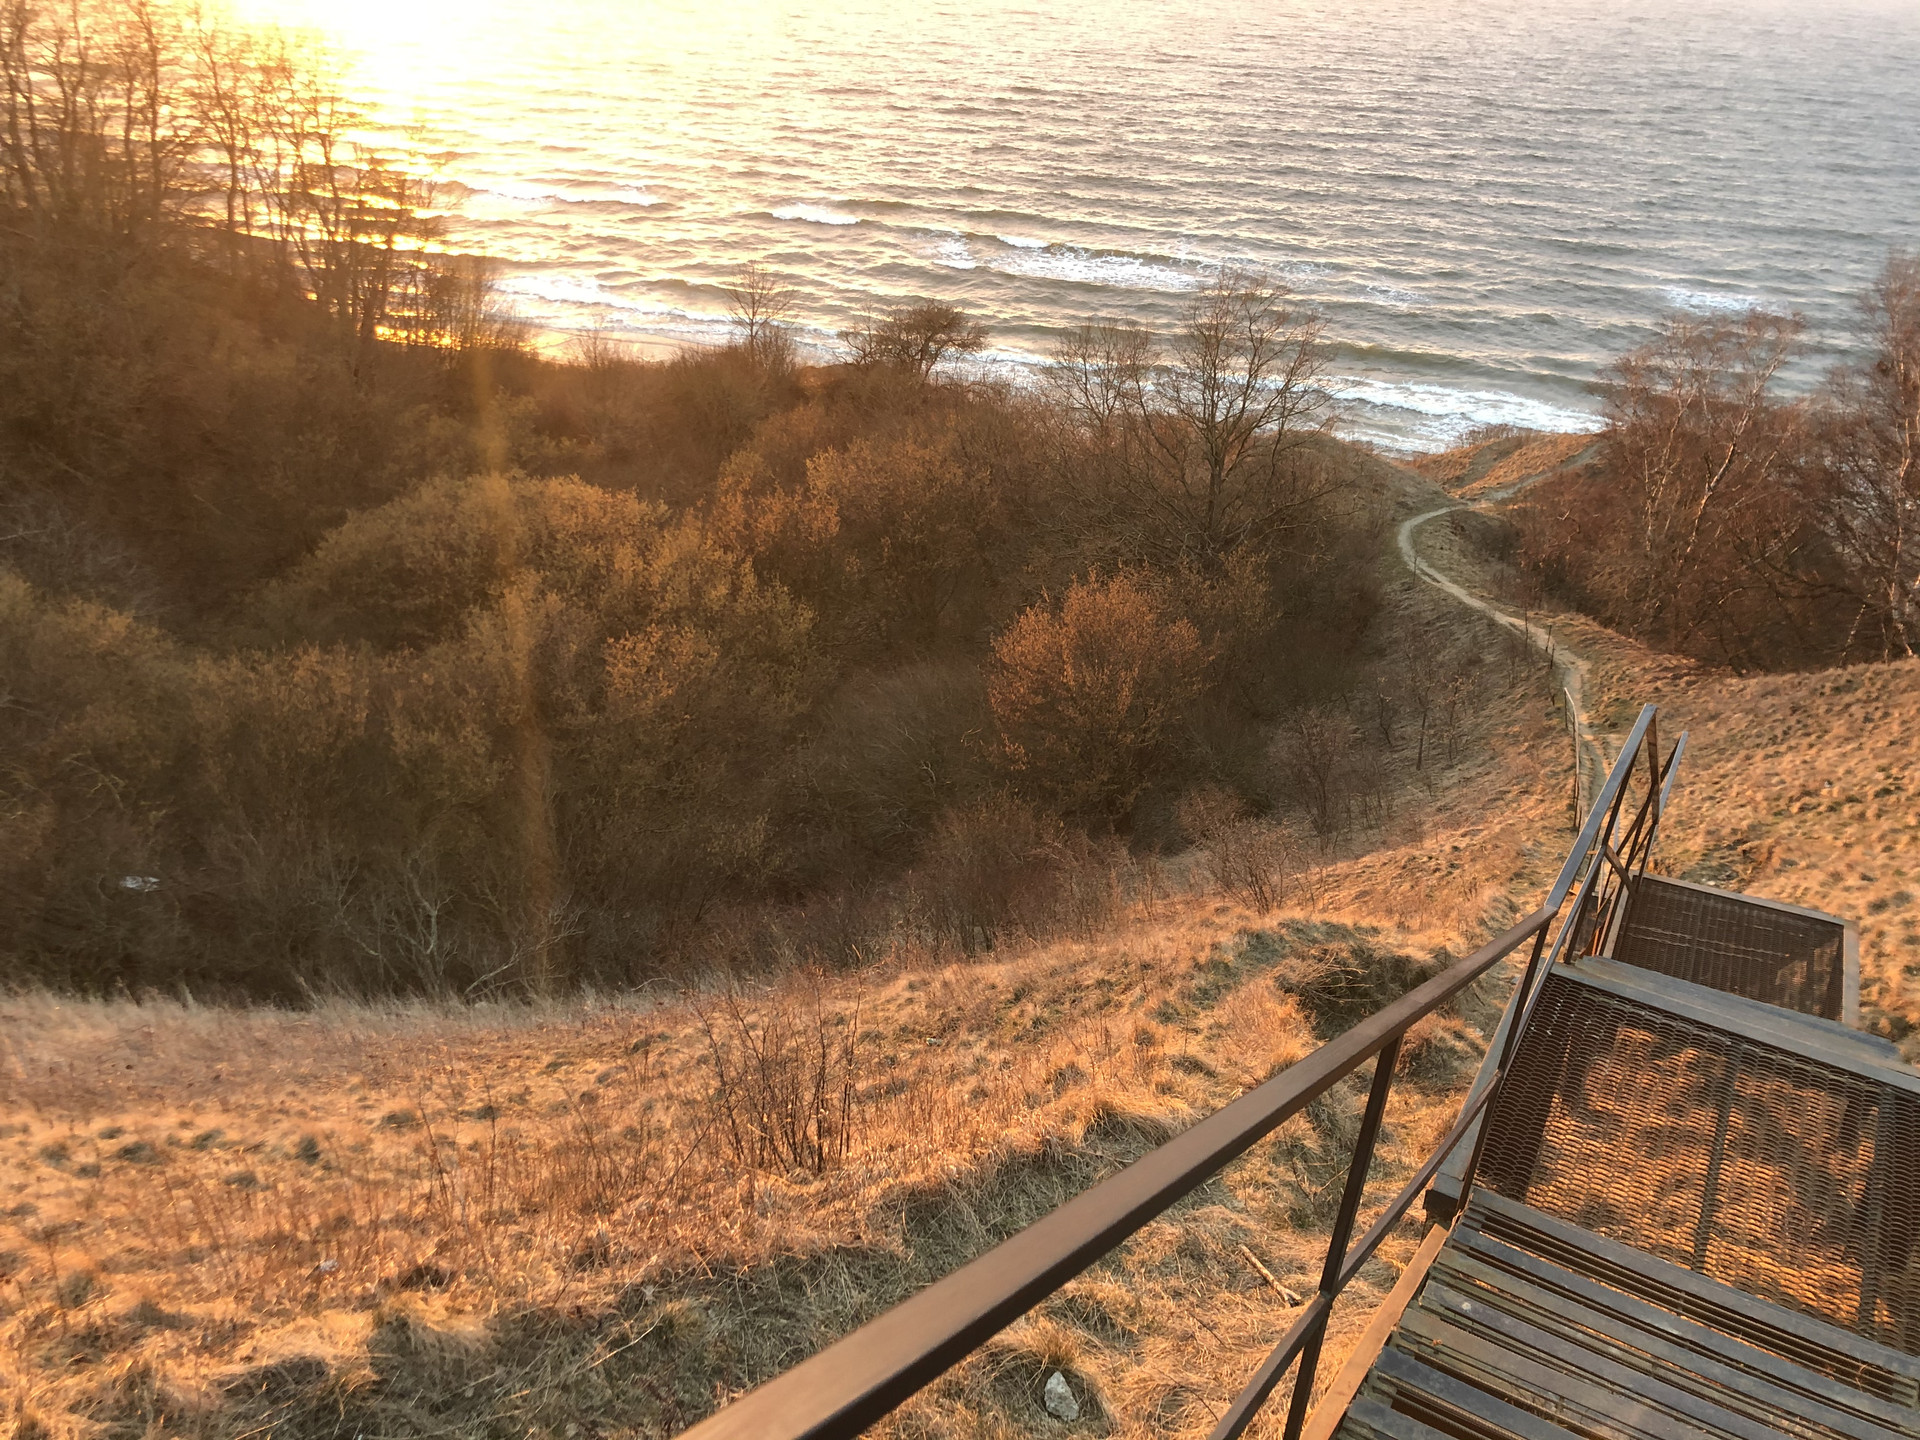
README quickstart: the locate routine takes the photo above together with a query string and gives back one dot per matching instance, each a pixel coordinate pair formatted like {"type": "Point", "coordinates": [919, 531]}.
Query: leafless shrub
{"type": "Point", "coordinates": [1201, 441]}
{"type": "Point", "coordinates": [762, 305]}
{"type": "Point", "coordinates": [1247, 858]}
{"type": "Point", "coordinates": [999, 868]}
{"type": "Point", "coordinates": [1323, 766]}
{"type": "Point", "coordinates": [1486, 434]}
{"type": "Point", "coordinates": [1866, 470]}
{"type": "Point", "coordinates": [1386, 714]}
{"type": "Point", "coordinates": [915, 339]}
{"type": "Point", "coordinates": [1456, 697]}
{"type": "Point", "coordinates": [785, 1081]}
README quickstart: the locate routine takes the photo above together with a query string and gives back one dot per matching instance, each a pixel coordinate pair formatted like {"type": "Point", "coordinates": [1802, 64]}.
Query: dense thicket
{"type": "Point", "coordinates": [347, 643]}
{"type": "Point", "coordinates": [1733, 523]}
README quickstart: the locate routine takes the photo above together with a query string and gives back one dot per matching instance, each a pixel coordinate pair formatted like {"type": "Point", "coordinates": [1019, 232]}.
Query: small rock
{"type": "Point", "coordinates": [1059, 1398]}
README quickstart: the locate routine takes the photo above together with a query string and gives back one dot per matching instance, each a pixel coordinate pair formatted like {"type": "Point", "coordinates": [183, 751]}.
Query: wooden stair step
{"type": "Point", "coordinates": [1808, 1342]}
{"type": "Point", "coordinates": [1588, 1401]}
{"type": "Point", "coordinates": [1674, 1348]}
{"type": "Point", "coordinates": [1403, 1385]}
{"type": "Point", "coordinates": [1370, 1420]}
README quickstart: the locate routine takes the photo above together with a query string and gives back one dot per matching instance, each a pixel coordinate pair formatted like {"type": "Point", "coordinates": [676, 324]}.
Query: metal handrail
{"type": "Point", "coordinates": [864, 1376]}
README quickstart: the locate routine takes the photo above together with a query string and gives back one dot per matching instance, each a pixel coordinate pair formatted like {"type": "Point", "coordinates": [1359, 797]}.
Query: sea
{"type": "Point", "coordinates": [1487, 200]}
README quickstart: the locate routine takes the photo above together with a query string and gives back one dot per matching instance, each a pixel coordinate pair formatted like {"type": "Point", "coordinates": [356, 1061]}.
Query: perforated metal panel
{"type": "Point", "coordinates": [1776, 954]}
{"type": "Point", "coordinates": [1793, 1180]}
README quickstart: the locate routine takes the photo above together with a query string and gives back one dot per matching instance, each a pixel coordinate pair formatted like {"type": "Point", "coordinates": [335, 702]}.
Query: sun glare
{"type": "Point", "coordinates": [395, 51]}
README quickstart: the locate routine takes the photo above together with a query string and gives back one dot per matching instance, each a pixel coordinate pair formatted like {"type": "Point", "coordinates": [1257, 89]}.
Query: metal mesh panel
{"type": "Point", "coordinates": [1736, 944]}
{"type": "Point", "coordinates": [1794, 1181]}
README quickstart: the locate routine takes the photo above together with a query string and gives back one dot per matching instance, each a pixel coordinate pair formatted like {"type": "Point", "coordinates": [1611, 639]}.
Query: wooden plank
{"type": "Point", "coordinates": [1373, 1421]}
{"type": "Point", "coordinates": [1333, 1404]}
{"type": "Point", "coordinates": [1742, 1388]}
{"type": "Point", "coordinates": [1762, 901]}
{"type": "Point", "coordinates": [1400, 1374]}
{"type": "Point", "coordinates": [1583, 1404]}
{"type": "Point", "coordinates": [1718, 1315]}
{"type": "Point", "coordinates": [1517, 1266]}
{"type": "Point", "coordinates": [1722, 1007]}
{"type": "Point", "coordinates": [1590, 1364]}
{"type": "Point", "coordinates": [1789, 1324]}
{"type": "Point", "coordinates": [1824, 1042]}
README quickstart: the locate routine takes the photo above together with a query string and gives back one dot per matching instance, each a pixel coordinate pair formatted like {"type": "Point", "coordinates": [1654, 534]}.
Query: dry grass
{"type": "Point", "coordinates": [1473, 470]}
{"type": "Point", "coordinates": [1798, 787]}
{"type": "Point", "coordinates": [533, 1221]}
{"type": "Point", "coordinates": [1803, 788]}
{"type": "Point", "coordinates": [513, 1221]}
{"type": "Point", "coordinates": [423, 1222]}
{"type": "Point", "coordinates": [1795, 786]}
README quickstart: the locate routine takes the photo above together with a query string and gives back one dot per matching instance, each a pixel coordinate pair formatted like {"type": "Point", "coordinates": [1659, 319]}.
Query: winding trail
{"type": "Point", "coordinates": [1570, 667]}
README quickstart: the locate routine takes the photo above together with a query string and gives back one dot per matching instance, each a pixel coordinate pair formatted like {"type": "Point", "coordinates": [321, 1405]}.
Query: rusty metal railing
{"type": "Point", "coordinates": [864, 1376]}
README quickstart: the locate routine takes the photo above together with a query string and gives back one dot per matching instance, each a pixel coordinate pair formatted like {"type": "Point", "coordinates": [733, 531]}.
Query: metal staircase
{"type": "Point", "coordinates": [1697, 1208]}
{"type": "Point", "coordinates": [1680, 1202]}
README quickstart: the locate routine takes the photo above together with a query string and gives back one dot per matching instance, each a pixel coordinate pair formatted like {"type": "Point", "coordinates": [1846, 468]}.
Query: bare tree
{"type": "Point", "coordinates": [762, 306]}
{"type": "Point", "coordinates": [1100, 371]}
{"type": "Point", "coordinates": [915, 338]}
{"type": "Point", "coordinates": [1697, 438]}
{"type": "Point", "coordinates": [89, 137]}
{"type": "Point", "coordinates": [236, 79]}
{"type": "Point", "coordinates": [1202, 435]}
{"type": "Point", "coordinates": [1868, 458]}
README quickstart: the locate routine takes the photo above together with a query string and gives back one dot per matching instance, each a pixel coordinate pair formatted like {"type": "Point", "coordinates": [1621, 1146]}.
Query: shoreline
{"type": "Point", "coordinates": [555, 343]}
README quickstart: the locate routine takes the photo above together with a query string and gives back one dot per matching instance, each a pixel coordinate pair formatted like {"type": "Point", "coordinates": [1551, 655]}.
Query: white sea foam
{"type": "Point", "coordinates": [1088, 267]}
{"type": "Point", "coordinates": [535, 194]}
{"type": "Point", "coordinates": [955, 254]}
{"type": "Point", "coordinates": [621, 195]}
{"type": "Point", "coordinates": [814, 215]}
{"type": "Point", "coordinates": [1393, 296]}
{"type": "Point", "coordinates": [569, 290]}
{"type": "Point", "coordinates": [1435, 416]}
{"type": "Point", "coordinates": [1709, 302]}
{"type": "Point", "coordinates": [1039, 260]}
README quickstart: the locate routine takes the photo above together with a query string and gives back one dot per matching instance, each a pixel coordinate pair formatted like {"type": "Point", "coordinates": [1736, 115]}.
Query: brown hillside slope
{"type": "Point", "coordinates": [1804, 788]}
{"type": "Point", "coordinates": [530, 1221]}
{"type": "Point", "coordinates": [503, 1222]}
{"type": "Point", "coordinates": [1801, 787]}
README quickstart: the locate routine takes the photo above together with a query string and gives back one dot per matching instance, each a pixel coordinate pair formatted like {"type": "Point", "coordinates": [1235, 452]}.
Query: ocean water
{"type": "Point", "coordinates": [1486, 198]}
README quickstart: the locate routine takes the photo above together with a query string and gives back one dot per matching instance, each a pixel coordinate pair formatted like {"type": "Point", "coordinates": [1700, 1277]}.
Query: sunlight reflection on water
{"type": "Point", "coordinates": [1487, 198]}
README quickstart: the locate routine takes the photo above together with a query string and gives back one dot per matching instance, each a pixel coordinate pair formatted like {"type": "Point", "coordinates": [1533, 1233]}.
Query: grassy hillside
{"type": "Point", "coordinates": [561, 1219]}
{"type": "Point", "coordinates": [580, 1218]}
{"type": "Point", "coordinates": [1798, 786]}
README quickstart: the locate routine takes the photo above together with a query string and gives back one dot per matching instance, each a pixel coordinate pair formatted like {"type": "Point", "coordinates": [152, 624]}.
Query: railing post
{"type": "Point", "coordinates": [1357, 1169]}
{"type": "Point", "coordinates": [1521, 1004]}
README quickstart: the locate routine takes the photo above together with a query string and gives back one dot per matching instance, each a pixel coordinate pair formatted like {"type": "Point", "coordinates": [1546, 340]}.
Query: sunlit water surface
{"type": "Point", "coordinates": [1487, 198]}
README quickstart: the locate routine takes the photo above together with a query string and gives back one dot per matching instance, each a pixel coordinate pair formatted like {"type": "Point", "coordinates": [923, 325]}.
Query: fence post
{"type": "Point", "coordinates": [1579, 758]}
